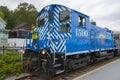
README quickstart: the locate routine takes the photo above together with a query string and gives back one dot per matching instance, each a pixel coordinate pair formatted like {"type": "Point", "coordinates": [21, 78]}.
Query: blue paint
{"type": "Point", "coordinates": [81, 39]}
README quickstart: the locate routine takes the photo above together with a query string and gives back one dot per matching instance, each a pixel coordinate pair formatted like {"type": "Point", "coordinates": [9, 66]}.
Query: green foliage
{"type": "Point", "coordinates": [10, 64]}
{"type": "Point", "coordinates": [8, 17]}
{"type": "Point", "coordinates": [24, 13]}
{"type": "Point", "coordinates": [2, 15]}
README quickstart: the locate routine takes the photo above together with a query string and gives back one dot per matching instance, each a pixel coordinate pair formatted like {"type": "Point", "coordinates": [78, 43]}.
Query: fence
{"type": "Point", "coordinates": [3, 48]}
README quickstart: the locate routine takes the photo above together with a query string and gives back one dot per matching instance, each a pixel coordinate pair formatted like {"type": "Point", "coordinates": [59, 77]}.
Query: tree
{"type": "Point", "coordinates": [25, 13]}
{"type": "Point", "coordinates": [2, 15]}
{"type": "Point", "coordinates": [8, 17]}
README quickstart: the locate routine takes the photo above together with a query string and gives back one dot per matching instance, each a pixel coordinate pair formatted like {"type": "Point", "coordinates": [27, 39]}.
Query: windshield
{"type": "Point", "coordinates": [41, 22]}
{"type": "Point", "coordinates": [64, 16]}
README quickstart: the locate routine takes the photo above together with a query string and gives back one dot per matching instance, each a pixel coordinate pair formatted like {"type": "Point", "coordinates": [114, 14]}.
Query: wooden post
{"type": "Point", "coordinates": [3, 49]}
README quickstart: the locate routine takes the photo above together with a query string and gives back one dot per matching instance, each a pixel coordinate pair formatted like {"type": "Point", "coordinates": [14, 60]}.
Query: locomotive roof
{"type": "Point", "coordinates": [62, 6]}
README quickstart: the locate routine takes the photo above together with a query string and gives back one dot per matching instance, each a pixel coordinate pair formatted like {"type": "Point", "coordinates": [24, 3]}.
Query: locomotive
{"type": "Point", "coordinates": [67, 40]}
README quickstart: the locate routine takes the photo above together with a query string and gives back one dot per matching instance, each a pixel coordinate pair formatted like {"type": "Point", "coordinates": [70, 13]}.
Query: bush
{"type": "Point", "coordinates": [10, 64]}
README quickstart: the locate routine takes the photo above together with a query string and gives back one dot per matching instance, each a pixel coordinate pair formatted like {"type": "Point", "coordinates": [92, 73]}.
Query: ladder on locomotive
{"type": "Point", "coordinates": [59, 63]}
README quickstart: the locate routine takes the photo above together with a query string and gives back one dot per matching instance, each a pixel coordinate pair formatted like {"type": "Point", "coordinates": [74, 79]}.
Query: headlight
{"type": "Point", "coordinates": [23, 51]}
{"type": "Point", "coordinates": [43, 52]}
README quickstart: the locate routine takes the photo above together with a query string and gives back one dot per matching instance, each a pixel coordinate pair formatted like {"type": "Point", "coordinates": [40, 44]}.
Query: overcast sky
{"type": "Point", "coordinates": [105, 12]}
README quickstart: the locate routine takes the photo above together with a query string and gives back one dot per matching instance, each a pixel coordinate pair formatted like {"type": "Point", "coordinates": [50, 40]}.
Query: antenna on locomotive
{"type": "Point", "coordinates": [93, 22]}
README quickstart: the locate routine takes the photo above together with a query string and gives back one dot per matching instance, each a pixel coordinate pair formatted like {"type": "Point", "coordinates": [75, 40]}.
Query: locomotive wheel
{"type": "Point", "coordinates": [69, 65]}
{"type": "Point", "coordinates": [28, 64]}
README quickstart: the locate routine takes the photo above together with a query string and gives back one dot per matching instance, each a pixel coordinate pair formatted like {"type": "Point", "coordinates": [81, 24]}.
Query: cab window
{"type": "Point", "coordinates": [65, 28]}
{"type": "Point", "coordinates": [81, 21]}
{"type": "Point", "coordinates": [41, 22]}
{"type": "Point", "coordinates": [64, 16]}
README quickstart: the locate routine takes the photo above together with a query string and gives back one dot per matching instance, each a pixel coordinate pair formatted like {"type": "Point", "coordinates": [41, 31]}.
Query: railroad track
{"type": "Point", "coordinates": [70, 75]}
{"type": "Point", "coordinates": [73, 74]}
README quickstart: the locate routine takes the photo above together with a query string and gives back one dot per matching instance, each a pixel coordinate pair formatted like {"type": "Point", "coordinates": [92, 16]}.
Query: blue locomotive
{"type": "Point", "coordinates": [67, 40]}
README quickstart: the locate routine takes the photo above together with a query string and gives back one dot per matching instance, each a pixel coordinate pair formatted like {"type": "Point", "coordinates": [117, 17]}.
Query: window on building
{"type": "Point", "coordinates": [65, 28]}
{"type": "Point", "coordinates": [18, 34]}
{"type": "Point", "coordinates": [50, 17]}
{"type": "Point", "coordinates": [64, 16]}
{"type": "Point", "coordinates": [41, 22]}
{"type": "Point", "coordinates": [24, 33]}
{"type": "Point", "coordinates": [81, 21]}
{"type": "Point", "coordinates": [12, 34]}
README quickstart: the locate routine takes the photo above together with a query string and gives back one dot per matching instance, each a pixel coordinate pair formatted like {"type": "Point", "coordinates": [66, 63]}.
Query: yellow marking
{"type": "Point", "coordinates": [81, 76]}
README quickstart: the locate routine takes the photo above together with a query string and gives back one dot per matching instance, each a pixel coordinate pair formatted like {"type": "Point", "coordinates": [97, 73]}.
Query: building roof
{"type": "Point", "coordinates": [22, 26]}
